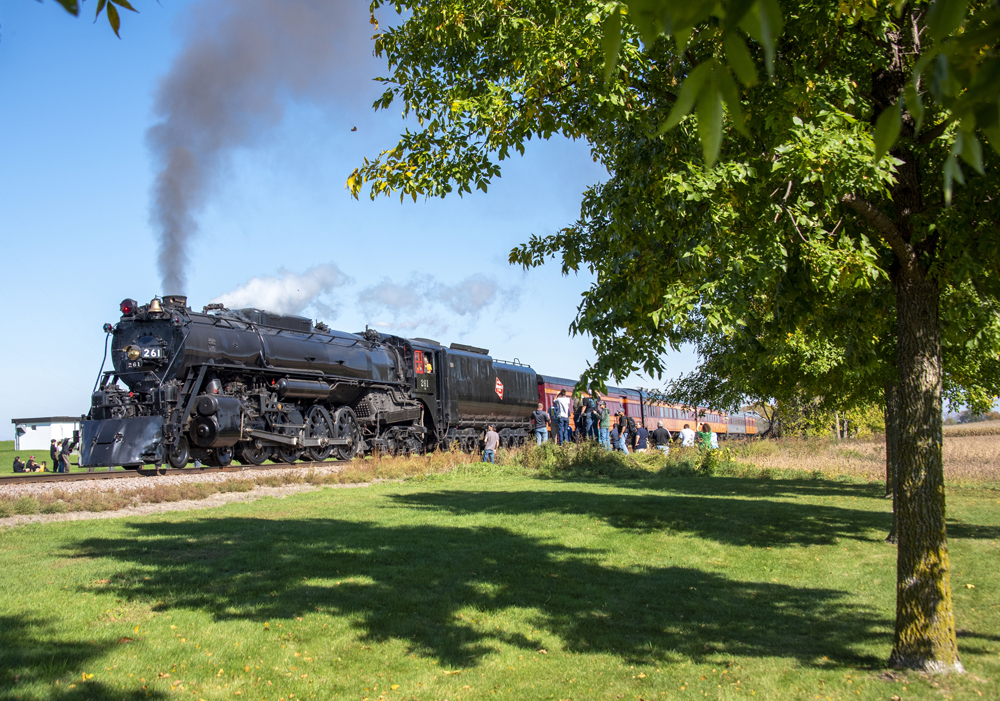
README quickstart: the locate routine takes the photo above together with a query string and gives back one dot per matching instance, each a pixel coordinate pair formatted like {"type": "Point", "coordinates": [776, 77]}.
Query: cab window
{"type": "Point", "coordinates": [418, 362]}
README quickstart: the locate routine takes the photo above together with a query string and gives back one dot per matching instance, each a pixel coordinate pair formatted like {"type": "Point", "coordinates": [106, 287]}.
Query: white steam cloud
{"type": "Point", "coordinates": [392, 296]}
{"type": "Point", "coordinates": [470, 296]}
{"type": "Point", "coordinates": [287, 292]}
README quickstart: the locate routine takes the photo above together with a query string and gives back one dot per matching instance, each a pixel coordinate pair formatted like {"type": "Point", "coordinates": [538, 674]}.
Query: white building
{"type": "Point", "coordinates": [37, 434]}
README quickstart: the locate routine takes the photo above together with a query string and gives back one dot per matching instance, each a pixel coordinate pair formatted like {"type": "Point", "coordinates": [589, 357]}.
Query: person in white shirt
{"type": "Point", "coordinates": [565, 412]}
{"type": "Point", "coordinates": [687, 436]}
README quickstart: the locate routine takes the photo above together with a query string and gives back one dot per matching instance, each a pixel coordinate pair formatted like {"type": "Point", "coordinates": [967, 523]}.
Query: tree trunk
{"type": "Point", "coordinates": [891, 450]}
{"type": "Point", "coordinates": [836, 419]}
{"type": "Point", "coordinates": [925, 622]}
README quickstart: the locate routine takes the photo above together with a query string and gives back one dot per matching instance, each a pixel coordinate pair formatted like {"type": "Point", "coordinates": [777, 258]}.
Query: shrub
{"type": "Point", "coordinates": [55, 507]}
{"type": "Point", "coordinates": [26, 505]}
{"type": "Point", "coordinates": [6, 508]}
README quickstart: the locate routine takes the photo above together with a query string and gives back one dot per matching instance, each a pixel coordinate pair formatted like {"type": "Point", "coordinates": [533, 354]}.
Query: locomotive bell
{"type": "Point", "coordinates": [154, 306]}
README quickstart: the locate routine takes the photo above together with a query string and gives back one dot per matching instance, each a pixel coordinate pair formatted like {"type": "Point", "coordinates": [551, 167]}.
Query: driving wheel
{"type": "Point", "coordinates": [252, 452]}
{"type": "Point", "coordinates": [178, 455]}
{"type": "Point", "coordinates": [220, 457]}
{"type": "Point", "coordinates": [345, 425]}
{"type": "Point", "coordinates": [287, 453]}
{"type": "Point", "coordinates": [319, 425]}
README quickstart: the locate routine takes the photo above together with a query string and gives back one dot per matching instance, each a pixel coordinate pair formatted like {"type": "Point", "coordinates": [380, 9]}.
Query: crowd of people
{"type": "Point", "coordinates": [592, 420]}
{"type": "Point", "coordinates": [59, 452]}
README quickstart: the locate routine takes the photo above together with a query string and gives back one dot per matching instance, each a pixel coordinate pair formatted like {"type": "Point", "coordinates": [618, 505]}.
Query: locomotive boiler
{"type": "Point", "coordinates": [253, 385]}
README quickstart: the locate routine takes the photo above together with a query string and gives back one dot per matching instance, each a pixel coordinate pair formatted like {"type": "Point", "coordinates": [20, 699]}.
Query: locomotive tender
{"type": "Point", "coordinates": [252, 385]}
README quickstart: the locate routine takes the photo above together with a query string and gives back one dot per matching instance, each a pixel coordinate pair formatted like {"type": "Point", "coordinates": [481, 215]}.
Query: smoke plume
{"type": "Point", "coordinates": [287, 293]}
{"type": "Point", "coordinates": [243, 61]}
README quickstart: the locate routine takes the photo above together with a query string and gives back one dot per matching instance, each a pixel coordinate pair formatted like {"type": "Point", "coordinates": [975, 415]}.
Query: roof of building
{"type": "Point", "coordinates": [48, 420]}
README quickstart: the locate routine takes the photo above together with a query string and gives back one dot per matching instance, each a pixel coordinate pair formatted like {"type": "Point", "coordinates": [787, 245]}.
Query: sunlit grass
{"type": "Point", "coordinates": [473, 584]}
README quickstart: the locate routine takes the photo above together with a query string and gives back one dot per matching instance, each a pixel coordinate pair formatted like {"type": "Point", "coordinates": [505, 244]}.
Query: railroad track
{"type": "Point", "coordinates": [152, 472]}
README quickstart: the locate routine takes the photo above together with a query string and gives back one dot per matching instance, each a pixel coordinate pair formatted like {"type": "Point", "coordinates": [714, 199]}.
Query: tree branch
{"type": "Point", "coordinates": [934, 132]}
{"type": "Point", "coordinates": [884, 226]}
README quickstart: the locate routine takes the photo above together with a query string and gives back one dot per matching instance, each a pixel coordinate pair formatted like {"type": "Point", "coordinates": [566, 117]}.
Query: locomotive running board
{"type": "Point", "coordinates": [295, 441]}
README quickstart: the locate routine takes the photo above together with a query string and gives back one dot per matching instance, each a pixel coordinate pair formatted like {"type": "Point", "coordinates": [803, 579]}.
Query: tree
{"type": "Point", "coordinates": [802, 203]}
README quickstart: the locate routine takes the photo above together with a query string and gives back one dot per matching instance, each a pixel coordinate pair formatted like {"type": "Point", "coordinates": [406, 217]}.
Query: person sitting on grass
{"type": "Point", "coordinates": [18, 465]}
{"type": "Point", "coordinates": [31, 465]}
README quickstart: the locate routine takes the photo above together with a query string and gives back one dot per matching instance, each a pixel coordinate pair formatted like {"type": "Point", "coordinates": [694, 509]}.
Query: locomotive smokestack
{"type": "Point", "coordinates": [227, 89]}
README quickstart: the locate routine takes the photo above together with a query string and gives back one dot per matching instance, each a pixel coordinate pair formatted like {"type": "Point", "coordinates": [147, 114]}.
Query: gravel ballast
{"type": "Point", "coordinates": [137, 485]}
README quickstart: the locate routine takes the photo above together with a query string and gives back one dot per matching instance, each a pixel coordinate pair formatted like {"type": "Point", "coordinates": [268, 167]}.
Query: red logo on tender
{"type": "Point", "coordinates": [499, 388]}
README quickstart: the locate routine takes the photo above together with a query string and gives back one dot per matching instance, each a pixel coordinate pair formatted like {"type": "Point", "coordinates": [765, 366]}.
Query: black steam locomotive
{"type": "Point", "coordinates": [253, 385]}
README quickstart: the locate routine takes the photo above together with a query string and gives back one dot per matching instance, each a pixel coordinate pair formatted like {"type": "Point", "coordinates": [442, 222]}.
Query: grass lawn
{"type": "Point", "coordinates": [499, 586]}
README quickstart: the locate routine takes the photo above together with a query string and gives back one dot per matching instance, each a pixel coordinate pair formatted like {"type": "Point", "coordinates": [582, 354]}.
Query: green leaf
{"type": "Point", "coordinates": [710, 121]}
{"type": "Point", "coordinates": [887, 130]}
{"type": "Point", "coordinates": [944, 17]}
{"type": "Point", "coordinates": [972, 152]}
{"type": "Point", "coordinates": [100, 8]}
{"type": "Point", "coordinates": [71, 6]}
{"type": "Point", "coordinates": [739, 58]}
{"type": "Point", "coordinates": [993, 137]}
{"type": "Point", "coordinates": [114, 19]}
{"type": "Point", "coordinates": [125, 4]}
{"type": "Point", "coordinates": [952, 172]}
{"type": "Point", "coordinates": [729, 92]}
{"type": "Point", "coordinates": [763, 22]}
{"type": "Point", "coordinates": [612, 41]}
{"type": "Point", "coordinates": [690, 90]}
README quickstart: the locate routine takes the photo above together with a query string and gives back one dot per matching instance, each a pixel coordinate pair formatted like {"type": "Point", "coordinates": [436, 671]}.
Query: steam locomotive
{"type": "Point", "coordinates": [252, 385]}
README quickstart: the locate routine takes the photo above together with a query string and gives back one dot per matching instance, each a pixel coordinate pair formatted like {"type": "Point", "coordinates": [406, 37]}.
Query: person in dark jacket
{"type": "Point", "coordinates": [639, 444]}
{"type": "Point", "coordinates": [67, 448]}
{"type": "Point", "coordinates": [661, 438]}
{"type": "Point", "coordinates": [554, 417]}
{"type": "Point", "coordinates": [633, 432]}
{"type": "Point", "coordinates": [587, 414]}
{"type": "Point", "coordinates": [538, 418]}
{"type": "Point", "coordinates": [18, 465]}
{"type": "Point", "coordinates": [54, 453]}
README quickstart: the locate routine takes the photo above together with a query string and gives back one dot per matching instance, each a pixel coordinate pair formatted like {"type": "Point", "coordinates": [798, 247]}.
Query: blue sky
{"type": "Point", "coordinates": [76, 177]}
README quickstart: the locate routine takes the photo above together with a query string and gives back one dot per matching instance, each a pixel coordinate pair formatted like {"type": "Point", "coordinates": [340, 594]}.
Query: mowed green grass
{"type": "Point", "coordinates": [462, 587]}
{"type": "Point", "coordinates": [7, 454]}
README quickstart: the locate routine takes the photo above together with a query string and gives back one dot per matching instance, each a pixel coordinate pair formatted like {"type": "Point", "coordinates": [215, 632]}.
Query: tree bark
{"type": "Point", "coordinates": [891, 451]}
{"type": "Point", "coordinates": [925, 621]}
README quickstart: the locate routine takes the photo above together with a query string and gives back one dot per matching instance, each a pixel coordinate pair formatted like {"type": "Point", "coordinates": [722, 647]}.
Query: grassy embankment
{"type": "Point", "coordinates": [596, 578]}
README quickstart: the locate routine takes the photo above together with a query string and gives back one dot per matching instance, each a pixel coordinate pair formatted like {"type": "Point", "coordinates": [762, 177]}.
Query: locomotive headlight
{"type": "Point", "coordinates": [133, 353]}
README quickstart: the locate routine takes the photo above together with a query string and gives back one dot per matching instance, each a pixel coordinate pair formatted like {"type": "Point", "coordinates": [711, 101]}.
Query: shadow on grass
{"type": "Point", "coordinates": [961, 529]}
{"type": "Point", "coordinates": [411, 583]}
{"type": "Point", "coordinates": [753, 522]}
{"type": "Point", "coordinates": [33, 657]}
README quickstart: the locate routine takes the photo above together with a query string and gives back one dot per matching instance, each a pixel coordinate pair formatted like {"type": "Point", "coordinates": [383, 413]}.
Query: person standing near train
{"type": "Point", "coordinates": [605, 427]}
{"type": "Point", "coordinates": [490, 445]}
{"type": "Point", "coordinates": [687, 436]}
{"type": "Point", "coordinates": [595, 415]}
{"type": "Point", "coordinates": [564, 406]}
{"type": "Point", "coordinates": [538, 418]}
{"type": "Point", "coordinates": [661, 438]}
{"type": "Point", "coordinates": [554, 415]}
{"type": "Point", "coordinates": [587, 414]}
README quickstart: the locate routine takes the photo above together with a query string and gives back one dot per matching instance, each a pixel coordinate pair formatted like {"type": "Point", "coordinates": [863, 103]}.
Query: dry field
{"type": "Point", "coordinates": [982, 428]}
{"type": "Point", "coordinates": [970, 457]}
